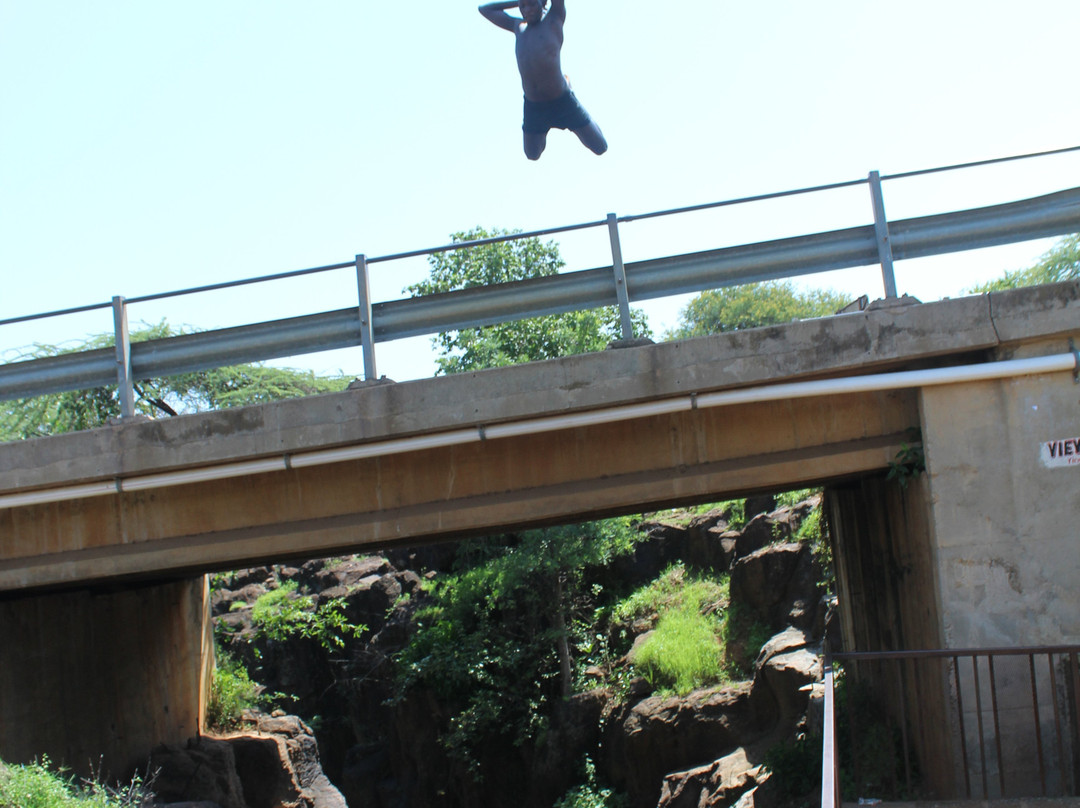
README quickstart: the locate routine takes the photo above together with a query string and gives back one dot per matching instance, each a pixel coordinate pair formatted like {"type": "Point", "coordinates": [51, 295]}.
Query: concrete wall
{"type": "Point", "coordinates": [100, 678]}
{"type": "Point", "coordinates": [1007, 554]}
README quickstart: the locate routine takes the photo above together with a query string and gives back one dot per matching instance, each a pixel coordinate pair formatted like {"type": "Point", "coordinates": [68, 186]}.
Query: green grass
{"type": "Point", "coordinates": [38, 785]}
{"type": "Point", "coordinates": [683, 653]}
{"type": "Point", "coordinates": [674, 586]}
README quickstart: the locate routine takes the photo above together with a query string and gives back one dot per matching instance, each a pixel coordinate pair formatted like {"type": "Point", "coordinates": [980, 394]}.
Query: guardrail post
{"type": "Point", "coordinates": [367, 334]}
{"type": "Point", "coordinates": [125, 385]}
{"type": "Point", "coordinates": [881, 228]}
{"type": "Point", "coordinates": [620, 277]}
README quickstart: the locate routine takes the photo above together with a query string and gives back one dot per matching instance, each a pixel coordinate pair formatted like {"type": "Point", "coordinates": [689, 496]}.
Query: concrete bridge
{"type": "Point", "coordinates": [105, 535]}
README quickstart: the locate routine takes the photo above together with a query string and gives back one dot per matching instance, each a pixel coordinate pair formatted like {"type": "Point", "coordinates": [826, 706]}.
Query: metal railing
{"type": "Point", "coordinates": [619, 285]}
{"type": "Point", "coordinates": [968, 724]}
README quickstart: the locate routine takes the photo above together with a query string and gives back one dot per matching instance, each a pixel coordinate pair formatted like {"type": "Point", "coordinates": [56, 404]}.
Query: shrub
{"type": "Point", "coordinates": [231, 692]}
{"type": "Point", "coordinates": [36, 785]}
{"type": "Point", "coordinates": [590, 794]}
{"type": "Point", "coordinates": [281, 613]}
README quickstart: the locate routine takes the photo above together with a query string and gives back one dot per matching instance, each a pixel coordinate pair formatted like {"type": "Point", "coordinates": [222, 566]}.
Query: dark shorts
{"type": "Point", "coordinates": [564, 112]}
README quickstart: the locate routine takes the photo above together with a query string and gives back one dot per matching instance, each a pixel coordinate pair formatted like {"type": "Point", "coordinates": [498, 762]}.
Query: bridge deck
{"type": "Point", "coordinates": [393, 497]}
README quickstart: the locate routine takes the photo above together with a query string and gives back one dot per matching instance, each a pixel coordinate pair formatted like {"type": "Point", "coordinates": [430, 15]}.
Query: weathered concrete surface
{"type": "Point", "coordinates": [1004, 516]}
{"type": "Point", "coordinates": [869, 341]}
{"type": "Point", "coordinates": [487, 486]}
{"type": "Point", "coordinates": [96, 679]}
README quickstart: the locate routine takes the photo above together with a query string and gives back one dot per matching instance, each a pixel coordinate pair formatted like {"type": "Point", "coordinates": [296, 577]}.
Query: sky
{"type": "Point", "coordinates": [151, 146]}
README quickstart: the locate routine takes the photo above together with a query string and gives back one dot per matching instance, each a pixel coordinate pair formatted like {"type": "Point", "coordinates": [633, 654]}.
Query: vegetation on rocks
{"type": "Point", "coordinates": [41, 785]}
{"type": "Point", "coordinates": [232, 692]}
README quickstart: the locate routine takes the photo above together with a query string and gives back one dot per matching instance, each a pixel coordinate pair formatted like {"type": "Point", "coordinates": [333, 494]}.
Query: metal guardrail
{"type": "Point", "coordinates": [1013, 715]}
{"type": "Point", "coordinates": [619, 284]}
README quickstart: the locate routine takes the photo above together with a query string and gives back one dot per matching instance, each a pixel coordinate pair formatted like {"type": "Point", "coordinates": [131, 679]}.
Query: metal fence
{"type": "Point", "coordinates": [619, 285]}
{"type": "Point", "coordinates": [957, 724]}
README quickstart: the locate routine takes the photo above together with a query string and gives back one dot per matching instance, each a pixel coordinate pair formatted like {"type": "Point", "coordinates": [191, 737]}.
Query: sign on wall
{"type": "Point", "coordinates": [1061, 452]}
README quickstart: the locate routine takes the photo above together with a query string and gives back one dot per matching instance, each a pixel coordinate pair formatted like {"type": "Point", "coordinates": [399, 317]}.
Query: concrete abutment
{"type": "Point", "coordinates": [96, 679]}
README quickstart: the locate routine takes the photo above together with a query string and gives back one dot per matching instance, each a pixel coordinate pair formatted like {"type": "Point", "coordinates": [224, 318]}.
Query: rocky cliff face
{"type": "Point", "coordinates": [385, 750]}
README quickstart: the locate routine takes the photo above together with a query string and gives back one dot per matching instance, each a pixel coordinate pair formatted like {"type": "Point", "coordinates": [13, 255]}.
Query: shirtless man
{"type": "Point", "coordinates": [549, 102]}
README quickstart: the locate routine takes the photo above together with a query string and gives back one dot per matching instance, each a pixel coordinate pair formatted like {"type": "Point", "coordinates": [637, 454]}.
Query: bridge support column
{"type": "Point", "coordinates": [98, 678]}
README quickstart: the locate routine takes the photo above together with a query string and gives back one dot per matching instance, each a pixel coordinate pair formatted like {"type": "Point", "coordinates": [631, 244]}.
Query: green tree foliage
{"type": "Point", "coordinates": [499, 637]}
{"type": "Point", "coordinates": [283, 613]}
{"type": "Point", "coordinates": [191, 392]}
{"type": "Point", "coordinates": [522, 340]}
{"type": "Point", "coordinates": [1060, 263]}
{"type": "Point", "coordinates": [734, 308]}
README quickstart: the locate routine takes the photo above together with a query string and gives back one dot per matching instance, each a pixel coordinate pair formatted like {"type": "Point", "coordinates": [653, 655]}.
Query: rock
{"type": "Point", "coordinates": [661, 735]}
{"type": "Point", "coordinates": [757, 534]}
{"type": "Point", "coordinates": [254, 575]}
{"type": "Point", "coordinates": [788, 663]}
{"type": "Point", "coordinates": [574, 732]}
{"type": "Point", "coordinates": [760, 581]}
{"type": "Point", "coordinates": [277, 765]}
{"type": "Point", "coordinates": [715, 785]}
{"type": "Point", "coordinates": [760, 503]}
{"type": "Point", "coordinates": [705, 546]}
{"type": "Point", "coordinates": [205, 769]}
{"type": "Point", "coordinates": [350, 573]}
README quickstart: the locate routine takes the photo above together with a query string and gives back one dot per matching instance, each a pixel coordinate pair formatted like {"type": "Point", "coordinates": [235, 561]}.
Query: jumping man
{"type": "Point", "coordinates": [549, 102]}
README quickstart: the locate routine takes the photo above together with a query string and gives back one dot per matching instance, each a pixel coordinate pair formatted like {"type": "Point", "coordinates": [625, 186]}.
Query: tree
{"type": "Point", "coordinates": [511, 343]}
{"type": "Point", "coordinates": [190, 392]}
{"type": "Point", "coordinates": [1060, 263]}
{"type": "Point", "coordinates": [734, 308]}
{"type": "Point", "coordinates": [499, 639]}
{"type": "Point", "coordinates": [495, 640]}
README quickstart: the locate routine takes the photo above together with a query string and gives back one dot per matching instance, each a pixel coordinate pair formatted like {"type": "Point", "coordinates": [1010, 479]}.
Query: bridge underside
{"type": "Point", "coordinates": [448, 492]}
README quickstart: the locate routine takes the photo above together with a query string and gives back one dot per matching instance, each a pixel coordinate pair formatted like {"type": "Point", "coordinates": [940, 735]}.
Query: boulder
{"type": "Point", "coordinates": [787, 667]}
{"type": "Point", "coordinates": [276, 766]}
{"type": "Point", "coordinates": [715, 785]}
{"type": "Point", "coordinates": [205, 768]}
{"type": "Point", "coordinates": [659, 735]}
{"type": "Point", "coordinates": [757, 533]}
{"type": "Point", "coordinates": [770, 580]}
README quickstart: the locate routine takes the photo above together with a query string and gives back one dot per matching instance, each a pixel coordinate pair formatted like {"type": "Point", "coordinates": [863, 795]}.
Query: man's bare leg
{"type": "Point", "coordinates": [592, 137]}
{"type": "Point", "coordinates": [535, 142]}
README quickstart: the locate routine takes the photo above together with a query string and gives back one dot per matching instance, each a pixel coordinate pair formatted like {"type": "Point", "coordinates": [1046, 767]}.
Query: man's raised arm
{"type": "Point", "coordinates": [496, 13]}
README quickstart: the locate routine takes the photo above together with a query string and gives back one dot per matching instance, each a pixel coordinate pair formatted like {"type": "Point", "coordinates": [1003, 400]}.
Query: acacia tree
{"type": "Point", "coordinates": [1060, 263]}
{"type": "Point", "coordinates": [236, 386]}
{"type": "Point", "coordinates": [519, 341]}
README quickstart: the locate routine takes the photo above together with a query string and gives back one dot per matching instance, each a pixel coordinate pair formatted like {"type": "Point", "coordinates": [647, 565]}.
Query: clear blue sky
{"type": "Point", "coordinates": [147, 146]}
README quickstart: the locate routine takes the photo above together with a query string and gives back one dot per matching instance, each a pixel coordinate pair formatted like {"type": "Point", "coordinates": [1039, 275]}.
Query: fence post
{"type": "Point", "coordinates": [830, 762]}
{"type": "Point", "coordinates": [881, 229]}
{"type": "Point", "coordinates": [620, 277]}
{"type": "Point", "coordinates": [367, 334]}
{"type": "Point", "coordinates": [125, 385]}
